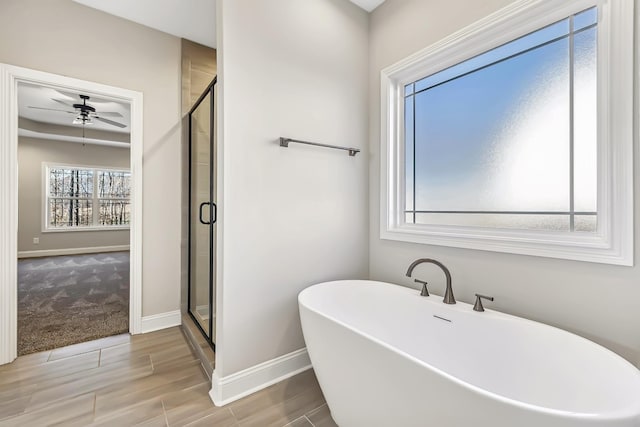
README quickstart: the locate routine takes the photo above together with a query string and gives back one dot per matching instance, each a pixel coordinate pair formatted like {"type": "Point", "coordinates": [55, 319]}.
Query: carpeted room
{"type": "Point", "coordinates": [65, 300]}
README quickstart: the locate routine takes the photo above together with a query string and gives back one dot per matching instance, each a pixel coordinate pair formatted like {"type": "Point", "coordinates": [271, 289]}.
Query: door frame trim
{"type": "Point", "coordinates": [10, 76]}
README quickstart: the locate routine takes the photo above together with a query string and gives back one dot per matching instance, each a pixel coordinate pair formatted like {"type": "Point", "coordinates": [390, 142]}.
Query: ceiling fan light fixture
{"type": "Point", "coordinates": [82, 120]}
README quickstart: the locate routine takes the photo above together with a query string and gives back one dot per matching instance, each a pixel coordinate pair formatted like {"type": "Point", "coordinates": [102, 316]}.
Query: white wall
{"type": "Point", "coordinates": [296, 216]}
{"type": "Point", "coordinates": [63, 37]}
{"type": "Point", "coordinates": [597, 301]}
{"type": "Point", "coordinates": [32, 153]}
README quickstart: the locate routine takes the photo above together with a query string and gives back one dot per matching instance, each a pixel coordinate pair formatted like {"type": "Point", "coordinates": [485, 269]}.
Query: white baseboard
{"type": "Point", "coordinates": [161, 321]}
{"type": "Point", "coordinates": [236, 386]}
{"type": "Point", "coordinates": [203, 318]}
{"type": "Point", "coordinates": [72, 251]}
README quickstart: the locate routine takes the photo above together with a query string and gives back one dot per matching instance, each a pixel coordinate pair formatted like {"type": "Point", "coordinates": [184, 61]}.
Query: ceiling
{"type": "Point", "coordinates": [51, 113]}
{"type": "Point", "coordinates": [368, 5]}
{"type": "Point", "coordinates": [33, 98]}
{"type": "Point", "coordinates": [189, 19]}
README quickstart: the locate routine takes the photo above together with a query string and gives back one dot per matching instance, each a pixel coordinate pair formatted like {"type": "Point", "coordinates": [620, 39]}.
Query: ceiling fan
{"type": "Point", "coordinates": [85, 113]}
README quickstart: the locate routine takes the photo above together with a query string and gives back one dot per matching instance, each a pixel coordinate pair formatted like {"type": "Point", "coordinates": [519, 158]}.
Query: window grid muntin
{"type": "Point", "coordinates": [572, 221]}
{"type": "Point", "coordinates": [61, 174]}
{"type": "Point", "coordinates": [123, 193]}
{"type": "Point", "coordinates": [80, 220]}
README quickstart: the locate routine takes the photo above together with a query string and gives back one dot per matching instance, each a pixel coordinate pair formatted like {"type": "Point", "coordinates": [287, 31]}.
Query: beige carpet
{"type": "Point", "coordinates": [70, 299]}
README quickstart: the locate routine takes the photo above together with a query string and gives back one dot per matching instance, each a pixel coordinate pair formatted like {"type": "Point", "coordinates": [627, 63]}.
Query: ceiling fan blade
{"type": "Point", "coordinates": [110, 122]}
{"type": "Point", "coordinates": [71, 95]}
{"type": "Point", "coordinates": [65, 103]}
{"type": "Point", "coordinates": [109, 114]}
{"type": "Point", "coordinates": [76, 98]}
{"type": "Point", "coordinates": [52, 109]}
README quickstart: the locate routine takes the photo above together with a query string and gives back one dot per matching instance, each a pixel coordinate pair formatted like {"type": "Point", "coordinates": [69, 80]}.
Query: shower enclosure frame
{"type": "Point", "coordinates": [213, 211]}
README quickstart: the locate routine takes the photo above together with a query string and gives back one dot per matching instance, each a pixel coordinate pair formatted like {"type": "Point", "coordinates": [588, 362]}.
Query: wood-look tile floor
{"type": "Point", "coordinates": [146, 380]}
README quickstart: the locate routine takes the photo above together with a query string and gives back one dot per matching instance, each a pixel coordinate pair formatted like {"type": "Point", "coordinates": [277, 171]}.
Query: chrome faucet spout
{"type": "Point", "coordinates": [448, 295]}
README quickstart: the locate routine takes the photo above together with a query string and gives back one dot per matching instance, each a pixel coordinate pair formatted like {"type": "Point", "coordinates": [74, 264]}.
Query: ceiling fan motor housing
{"type": "Point", "coordinates": [84, 108]}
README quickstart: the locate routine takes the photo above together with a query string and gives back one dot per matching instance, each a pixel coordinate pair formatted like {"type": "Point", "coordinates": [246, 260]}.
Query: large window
{"type": "Point", "coordinates": [507, 139]}
{"type": "Point", "coordinates": [87, 198]}
{"type": "Point", "coordinates": [515, 135]}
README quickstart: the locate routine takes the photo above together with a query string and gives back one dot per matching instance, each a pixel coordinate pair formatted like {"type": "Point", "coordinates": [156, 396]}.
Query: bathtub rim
{"type": "Point", "coordinates": [629, 412]}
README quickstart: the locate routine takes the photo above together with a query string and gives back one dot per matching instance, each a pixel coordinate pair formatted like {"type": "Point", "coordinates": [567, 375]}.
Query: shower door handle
{"type": "Point", "coordinates": [202, 205]}
{"type": "Point", "coordinates": [213, 214]}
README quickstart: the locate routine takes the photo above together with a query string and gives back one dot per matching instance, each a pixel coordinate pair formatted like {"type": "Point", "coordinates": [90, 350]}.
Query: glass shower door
{"type": "Point", "coordinates": [203, 215]}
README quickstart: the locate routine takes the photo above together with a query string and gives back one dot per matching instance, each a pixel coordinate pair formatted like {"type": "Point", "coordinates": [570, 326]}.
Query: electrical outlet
{"type": "Point", "coordinates": [36, 240]}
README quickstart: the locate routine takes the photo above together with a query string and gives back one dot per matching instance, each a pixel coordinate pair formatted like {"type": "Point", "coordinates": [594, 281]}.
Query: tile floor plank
{"type": "Point", "coordinates": [26, 361]}
{"type": "Point", "coordinates": [321, 417]}
{"type": "Point", "coordinates": [121, 399]}
{"type": "Point", "coordinates": [77, 409]}
{"type": "Point", "coordinates": [147, 412]}
{"type": "Point", "coordinates": [85, 347]}
{"type": "Point", "coordinates": [13, 407]}
{"type": "Point", "coordinates": [223, 418]}
{"type": "Point", "coordinates": [189, 405]}
{"type": "Point", "coordinates": [300, 422]}
{"type": "Point", "coordinates": [142, 346]}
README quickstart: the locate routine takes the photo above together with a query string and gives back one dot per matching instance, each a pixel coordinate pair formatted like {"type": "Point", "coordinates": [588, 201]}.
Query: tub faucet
{"type": "Point", "coordinates": [448, 295]}
{"type": "Point", "coordinates": [478, 305]}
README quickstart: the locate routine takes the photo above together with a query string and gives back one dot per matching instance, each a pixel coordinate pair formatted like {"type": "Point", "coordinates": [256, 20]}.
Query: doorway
{"type": "Point", "coordinates": [74, 213]}
{"type": "Point", "coordinates": [11, 77]}
{"type": "Point", "coordinates": [203, 214]}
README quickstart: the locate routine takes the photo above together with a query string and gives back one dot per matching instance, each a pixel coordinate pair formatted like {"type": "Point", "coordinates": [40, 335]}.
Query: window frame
{"type": "Point", "coordinates": [95, 199]}
{"type": "Point", "coordinates": [613, 241]}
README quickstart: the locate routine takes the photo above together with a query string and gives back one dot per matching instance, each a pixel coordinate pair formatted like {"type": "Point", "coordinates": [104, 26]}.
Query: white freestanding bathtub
{"type": "Point", "coordinates": [386, 356]}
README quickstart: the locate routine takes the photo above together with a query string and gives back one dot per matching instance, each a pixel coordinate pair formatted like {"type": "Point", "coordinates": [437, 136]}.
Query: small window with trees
{"type": "Point", "coordinates": [81, 198]}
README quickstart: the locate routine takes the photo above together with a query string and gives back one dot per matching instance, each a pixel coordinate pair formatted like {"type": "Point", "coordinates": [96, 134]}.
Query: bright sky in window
{"type": "Point", "coordinates": [508, 138]}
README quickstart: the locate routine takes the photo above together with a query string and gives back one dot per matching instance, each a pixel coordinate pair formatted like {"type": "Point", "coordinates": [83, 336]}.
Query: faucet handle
{"type": "Point", "coordinates": [478, 305]}
{"type": "Point", "coordinates": [425, 291]}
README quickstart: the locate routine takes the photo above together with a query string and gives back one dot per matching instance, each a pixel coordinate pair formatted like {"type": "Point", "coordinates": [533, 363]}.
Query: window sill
{"type": "Point", "coordinates": [588, 247]}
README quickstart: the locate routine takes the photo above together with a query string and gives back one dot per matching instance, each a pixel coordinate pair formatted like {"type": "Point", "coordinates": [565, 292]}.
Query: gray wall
{"type": "Point", "coordinates": [31, 154]}
{"type": "Point", "coordinates": [597, 301]}
{"type": "Point", "coordinates": [63, 37]}
{"type": "Point", "coordinates": [296, 216]}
